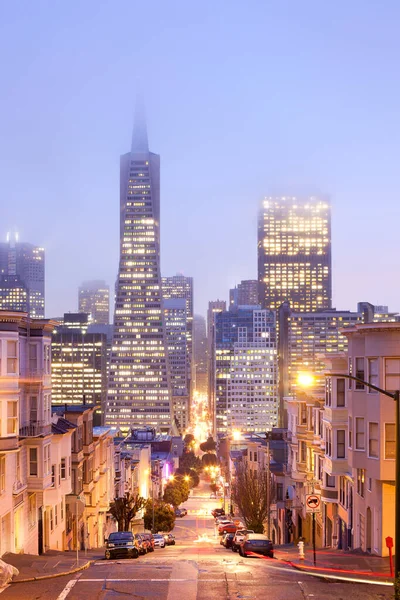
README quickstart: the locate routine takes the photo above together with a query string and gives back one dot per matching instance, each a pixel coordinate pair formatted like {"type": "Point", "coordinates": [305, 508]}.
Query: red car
{"type": "Point", "coordinates": [227, 528]}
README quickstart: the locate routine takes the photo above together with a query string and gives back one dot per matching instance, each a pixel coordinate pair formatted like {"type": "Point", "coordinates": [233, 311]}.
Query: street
{"type": "Point", "coordinates": [193, 570]}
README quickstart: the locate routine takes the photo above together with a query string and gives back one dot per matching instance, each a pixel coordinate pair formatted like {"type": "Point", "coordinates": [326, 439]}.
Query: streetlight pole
{"type": "Point", "coordinates": [396, 397]}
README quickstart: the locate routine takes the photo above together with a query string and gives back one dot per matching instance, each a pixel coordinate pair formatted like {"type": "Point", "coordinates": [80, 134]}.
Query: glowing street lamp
{"type": "Point", "coordinates": [305, 380]}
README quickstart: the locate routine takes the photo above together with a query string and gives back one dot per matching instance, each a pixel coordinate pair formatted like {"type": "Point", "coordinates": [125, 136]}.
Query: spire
{"type": "Point", "coordinates": [139, 134]}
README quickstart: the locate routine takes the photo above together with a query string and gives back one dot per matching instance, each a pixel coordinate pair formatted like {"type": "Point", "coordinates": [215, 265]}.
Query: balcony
{"type": "Point", "coordinates": [36, 429]}
{"type": "Point", "coordinates": [8, 444]}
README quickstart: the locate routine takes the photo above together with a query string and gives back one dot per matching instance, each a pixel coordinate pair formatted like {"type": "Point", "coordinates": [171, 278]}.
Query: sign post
{"type": "Point", "coordinates": [313, 505]}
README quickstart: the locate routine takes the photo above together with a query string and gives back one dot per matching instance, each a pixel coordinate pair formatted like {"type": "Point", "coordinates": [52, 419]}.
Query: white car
{"type": "Point", "coordinates": [159, 540]}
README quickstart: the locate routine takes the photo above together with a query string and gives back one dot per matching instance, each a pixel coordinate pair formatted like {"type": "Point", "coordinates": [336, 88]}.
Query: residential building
{"type": "Point", "coordinates": [244, 294]}
{"type": "Point", "coordinates": [139, 391]}
{"type": "Point", "coordinates": [22, 275]}
{"type": "Point", "coordinates": [79, 364]}
{"type": "Point", "coordinates": [214, 307]}
{"type": "Point", "coordinates": [94, 299]}
{"type": "Point", "coordinates": [294, 253]}
{"type": "Point", "coordinates": [200, 354]}
{"type": "Point", "coordinates": [176, 323]}
{"type": "Point", "coordinates": [246, 370]}
{"type": "Point", "coordinates": [175, 287]}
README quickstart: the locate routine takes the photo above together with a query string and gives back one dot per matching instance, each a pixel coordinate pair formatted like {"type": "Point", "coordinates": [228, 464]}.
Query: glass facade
{"type": "Point", "coordinates": [94, 299]}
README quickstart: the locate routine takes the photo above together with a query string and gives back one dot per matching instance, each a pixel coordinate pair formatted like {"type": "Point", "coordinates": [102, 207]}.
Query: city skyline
{"type": "Point", "coordinates": [335, 134]}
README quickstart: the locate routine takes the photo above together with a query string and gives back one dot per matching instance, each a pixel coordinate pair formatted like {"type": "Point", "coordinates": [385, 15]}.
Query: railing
{"type": "Point", "coordinates": [35, 429]}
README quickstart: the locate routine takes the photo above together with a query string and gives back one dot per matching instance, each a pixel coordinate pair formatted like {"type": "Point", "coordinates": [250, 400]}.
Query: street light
{"type": "Point", "coordinates": [302, 380]}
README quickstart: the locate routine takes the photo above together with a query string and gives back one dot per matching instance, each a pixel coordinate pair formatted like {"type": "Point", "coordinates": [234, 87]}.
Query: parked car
{"type": "Point", "coordinates": [169, 539]}
{"type": "Point", "coordinates": [257, 543]}
{"type": "Point", "coordinates": [239, 537]}
{"type": "Point", "coordinates": [222, 519]}
{"type": "Point", "coordinates": [213, 496]}
{"type": "Point", "coordinates": [141, 544]}
{"type": "Point", "coordinates": [227, 540]}
{"type": "Point", "coordinates": [148, 537]}
{"type": "Point", "coordinates": [121, 544]}
{"type": "Point", "coordinates": [180, 512]}
{"type": "Point", "coordinates": [227, 528]}
{"type": "Point", "coordinates": [183, 511]}
{"type": "Point", "coordinates": [218, 512]}
{"type": "Point", "coordinates": [159, 541]}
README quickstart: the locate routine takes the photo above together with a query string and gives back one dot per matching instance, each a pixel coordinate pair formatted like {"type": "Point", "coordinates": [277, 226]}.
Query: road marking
{"type": "Point", "coordinates": [67, 589]}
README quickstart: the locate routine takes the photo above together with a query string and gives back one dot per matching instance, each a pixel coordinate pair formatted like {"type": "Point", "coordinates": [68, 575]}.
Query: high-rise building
{"type": "Point", "coordinates": [139, 391]}
{"type": "Point", "coordinates": [214, 307]}
{"type": "Point", "coordinates": [246, 370]}
{"type": "Point", "coordinates": [176, 324]}
{"type": "Point", "coordinates": [294, 253]}
{"type": "Point", "coordinates": [200, 353]}
{"type": "Point", "coordinates": [79, 364]}
{"type": "Point", "coordinates": [21, 277]}
{"type": "Point", "coordinates": [244, 294]}
{"type": "Point", "coordinates": [94, 299]}
{"type": "Point", "coordinates": [179, 286]}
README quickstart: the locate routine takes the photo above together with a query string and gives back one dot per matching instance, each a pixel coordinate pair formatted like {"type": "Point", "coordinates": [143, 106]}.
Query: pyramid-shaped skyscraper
{"type": "Point", "coordinates": [139, 391]}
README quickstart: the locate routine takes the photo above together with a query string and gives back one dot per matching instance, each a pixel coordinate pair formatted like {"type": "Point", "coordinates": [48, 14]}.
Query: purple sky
{"type": "Point", "coordinates": [242, 100]}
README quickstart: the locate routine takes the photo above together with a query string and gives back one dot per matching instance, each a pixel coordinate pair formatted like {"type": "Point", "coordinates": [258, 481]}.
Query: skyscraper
{"type": "Point", "coordinates": [294, 253]}
{"type": "Point", "coordinates": [179, 286]}
{"type": "Point", "coordinates": [200, 353]}
{"type": "Point", "coordinates": [214, 307]}
{"type": "Point", "coordinates": [21, 277]}
{"type": "Point", "coordinates": [244, 294]}
{"type": "Point", "coordinates": [139, 391]}
{"type": "Point", "coordinates": [94, 299]}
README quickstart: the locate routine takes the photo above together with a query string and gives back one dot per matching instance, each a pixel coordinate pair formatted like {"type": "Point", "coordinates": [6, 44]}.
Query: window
{"type": "Point", "coordinates": [342, 490]}
{"type": "Point", "coordinates": [328, 391]}
{"type": "Point", "coordinates": [69, 467]}
{"type": "Point", "coordinates": [303, 414]}
{"type": "Point", "coordinates": [303, 452]}
{"type": "Point", "coordinates": [373, 442]}
{"type": "Point", "coordinates": [12, 417]}
{"type": "Point", "coordinates": [32, 358]}
{"type": "Point", "coordinates": [360, 482]}
{"type": "Point", "coordinates": [373, 373]}
{"type": "Point", "coordinates": [255, 457]}
{"type": "Point", "coordinates": [33, 409]}
{"type": "Point", "coordinates": [360, 373]}
{"type": "Point", "coordinates": [62, 510]}
{"type": "Point", "coordinates": [390, 441]}
{"type": "Point", "coordinates": [63, 468]}
{"type": "Point", "coordinates": [360, 444]}
{"type": "Point", "coordinates": [18, 467]}
{"type": "Point", "coordinates": [350, 373]}
{"type": "Point", "coordinates": [350, 432]}
{"type": "Point", "coordinates": [251, 456]}
{"type": "Point", "coordinates": [32, 510]}
{"type": "Point", "coordinates": [370, 484]}
{"type": "Point", "coordinates": [53, 475]}
{"type": "Point", "coordinates": [330, 480]}
{"type": "Point", "coordinates": [341, 443]}
{"type": "Point", "coordinates": [33, 462]}
{"type": "Point", "coordinates": [11, 358]}
{"type": "Point", "coordinates": [392, 374]}
{"type": "Point", "coordinates": [328, 441]}
{"type": "Point", "coordinates": [2, 473]}
{"type": "Point", "coordinates": [340, 393]}
{"type": "Point", "coordinates": [47, 359]}
{"type": "Point", "coordinates": [56, 514]}
{"type": "Point", "coordinates": [279, 492]}
{"type": "Point", "coordinates": [46, 462]}
{"type": "Point", "coordinates": [51, 520]}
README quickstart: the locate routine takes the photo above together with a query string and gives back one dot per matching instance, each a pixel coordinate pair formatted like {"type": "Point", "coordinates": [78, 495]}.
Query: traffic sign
{"type": "Point", "coordinates": [313, 503]}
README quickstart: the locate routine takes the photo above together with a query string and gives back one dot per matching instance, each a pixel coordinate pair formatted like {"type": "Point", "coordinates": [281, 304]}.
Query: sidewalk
{"type": "Point", "coordinates": [53, 563]}
{"type": "Point", "coordinates": [340, 562]}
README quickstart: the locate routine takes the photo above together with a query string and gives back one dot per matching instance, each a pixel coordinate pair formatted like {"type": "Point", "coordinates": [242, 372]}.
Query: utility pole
{"type": "Point", "coordinates": [268, 491]}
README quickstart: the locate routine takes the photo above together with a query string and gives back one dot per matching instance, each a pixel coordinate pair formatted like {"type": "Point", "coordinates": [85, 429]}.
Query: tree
{"type": "Point", "coordinates": [124, 509]}
{"type": "Point", "coordinates": [188, 440]}
{"type": "Point", "coordinates": [176, 491]}
{"type": "Point", "coordinates": [188, 460]}
{"type": "Point", "coordinates": [209, 445]}
{"type": "Point", "coordinates": [250, 494]}
{"type": "Point", "coordinates": [214, 487]}
{"type": "Point", "coordinates": [194, 478]}
{"type": "Point", "coordinates": [209, 460]}
{"type": "Point", "coordinates": [164, 517]}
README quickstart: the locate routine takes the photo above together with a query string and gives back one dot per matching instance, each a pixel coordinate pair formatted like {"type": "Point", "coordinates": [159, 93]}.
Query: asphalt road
{"type": "Point", "coordinates": [193, 570]}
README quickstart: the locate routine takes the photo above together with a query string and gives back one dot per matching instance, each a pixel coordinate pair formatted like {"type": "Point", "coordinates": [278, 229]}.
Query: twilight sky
{"type": "Point", "coordinates": [242, 100]}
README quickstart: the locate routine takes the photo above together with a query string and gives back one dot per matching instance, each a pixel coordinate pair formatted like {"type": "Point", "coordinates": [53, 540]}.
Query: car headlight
{"type": "Point", "coordinates": [110, 545]}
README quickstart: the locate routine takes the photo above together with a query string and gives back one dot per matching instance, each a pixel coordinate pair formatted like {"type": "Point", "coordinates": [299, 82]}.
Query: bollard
{"type": "Point", "coordinates": [300, 546]}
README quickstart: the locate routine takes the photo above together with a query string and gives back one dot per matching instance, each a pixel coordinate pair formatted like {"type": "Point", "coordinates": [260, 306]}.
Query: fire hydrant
{"type": "Point", "coordinates": [300, 546]}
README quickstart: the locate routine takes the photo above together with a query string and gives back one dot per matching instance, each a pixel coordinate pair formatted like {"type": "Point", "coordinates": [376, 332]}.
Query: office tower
{"type": "Point", "coordinates": [244, 294]}
{"type": "Point", "coordinates": [214, 307]}
{"type": "Point", "coordinates": [21, 277]}
{"type": "Point", "coordinates": [94, 299]}
{"type": "Point", "coordinates": [246, 370]}
{"type": "Point", "coordinates": [179, 286]}
{"type": "Point", "coordinates": [176, 324]}
{"type": "Point", "coordinates": [200, 353]}
{"type": "Point", "coordinates": [139, 392]}
{"type": "Point", "coordinates": [79, 364]}
{"type": "Point", "coordinates": [294, 253]}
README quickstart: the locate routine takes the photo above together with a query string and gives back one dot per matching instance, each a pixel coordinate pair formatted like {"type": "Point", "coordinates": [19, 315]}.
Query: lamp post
{"type": "Point", "coordinates": [307, 380]}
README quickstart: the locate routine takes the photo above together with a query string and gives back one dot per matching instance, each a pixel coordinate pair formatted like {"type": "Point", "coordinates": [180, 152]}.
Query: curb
{"type": "Point", "coordinates": [40, 577]}
{"type": "Point", "coordinates": [343, 577]}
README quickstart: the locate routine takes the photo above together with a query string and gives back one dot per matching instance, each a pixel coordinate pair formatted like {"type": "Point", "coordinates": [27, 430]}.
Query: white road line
{"type": "Point", "coordinates": [67, 589]}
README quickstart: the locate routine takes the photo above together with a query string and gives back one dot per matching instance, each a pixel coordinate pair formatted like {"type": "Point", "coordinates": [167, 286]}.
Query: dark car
{"type": "Point", "coordinates": [183, 511]}
{"type": "Point", "coordinates": [141, 544]}
{"type": "Point", "coordinates": [227, 540]}
{"type": "Point", "coordinates": [121, 544]}
{"type": "Point", "coordinates": [169, 539]}
{"type": "Point", "coordinates": [217, 512]}
{"type": "Point", "coordinates": [239, 537]}
{"type": "Point", "coordinates": [257, 543]}
{"type": "Point", "coordinates": [148, 537]}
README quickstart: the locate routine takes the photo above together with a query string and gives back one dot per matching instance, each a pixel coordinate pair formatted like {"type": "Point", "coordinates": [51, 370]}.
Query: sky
{"type": "Point", "coordinates": [242, 100]}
